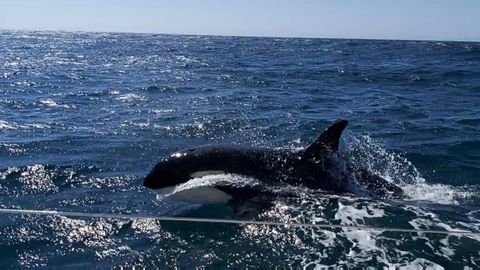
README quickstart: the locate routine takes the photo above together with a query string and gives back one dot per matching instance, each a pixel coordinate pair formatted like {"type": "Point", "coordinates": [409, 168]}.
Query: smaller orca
{"type": "Point", "coordinates": [319, 166]}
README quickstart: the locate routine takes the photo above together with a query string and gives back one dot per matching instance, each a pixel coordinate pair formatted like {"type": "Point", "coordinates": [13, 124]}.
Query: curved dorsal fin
{"type": "Point", "coordinates": [328, 140]}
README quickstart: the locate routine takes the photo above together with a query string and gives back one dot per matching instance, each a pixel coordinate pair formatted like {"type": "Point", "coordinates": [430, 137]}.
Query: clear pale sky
{"type": "Point", "coordinates": [379, 19]}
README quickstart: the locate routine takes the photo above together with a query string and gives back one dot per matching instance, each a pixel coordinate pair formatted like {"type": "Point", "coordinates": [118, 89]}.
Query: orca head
{"type": "Point", "coordinates": [179, 168]}
{"type": "Point", "coordinates": [168, 173]}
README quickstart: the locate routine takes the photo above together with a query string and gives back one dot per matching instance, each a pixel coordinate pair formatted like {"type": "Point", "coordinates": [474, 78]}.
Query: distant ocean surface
{"type": "Point", "coordinates": [85, 116]}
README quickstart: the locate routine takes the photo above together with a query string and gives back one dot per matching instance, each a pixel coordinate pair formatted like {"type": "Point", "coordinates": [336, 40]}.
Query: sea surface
{"type": "Point", "coordinates": [85, 116]}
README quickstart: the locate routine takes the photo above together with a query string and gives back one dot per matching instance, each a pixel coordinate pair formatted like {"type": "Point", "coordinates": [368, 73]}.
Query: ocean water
{"type": "Point", "coordinates": [85, 116]}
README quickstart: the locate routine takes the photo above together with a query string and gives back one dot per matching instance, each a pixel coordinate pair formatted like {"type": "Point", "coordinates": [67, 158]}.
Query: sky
{"type": "Point", "coordinates": [373, 19]}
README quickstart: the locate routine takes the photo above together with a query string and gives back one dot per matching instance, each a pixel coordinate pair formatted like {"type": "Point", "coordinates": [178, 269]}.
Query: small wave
{"type": "Point", "coordinates": [15, 126]}
{"type": "Point", "coordinates": [162, 111]}
{"type": "Point", "coordinates": [38, 178]}
{"type": "Point", "coordinates": [53, 104]}
{"type": "Point", "coordinates": [135, 124]}
{"type": "Point", "coordinates": [33, 179]}
{"type": "Point", "coordinates": [6, 125]}
{"type": "Point", "coordinates": [13, 148]}
{"type": "Point", "coordinates": [131, 97]}
{"type": "Point", "coordinates": [153, 89]}
{"type": "Point", "coordinates": [188, 60]}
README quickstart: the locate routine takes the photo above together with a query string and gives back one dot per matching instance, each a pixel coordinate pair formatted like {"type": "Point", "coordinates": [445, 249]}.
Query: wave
{"type": "Point", "coordinates": [130, 97]}
{"type": "Point", "coordinates": [53, 104]}
{"type": "Point", "coordinates": [15, 126]}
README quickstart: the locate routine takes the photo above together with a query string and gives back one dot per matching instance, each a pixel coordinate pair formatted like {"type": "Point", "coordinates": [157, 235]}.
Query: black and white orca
{"type": "Point", "coordinates": [319, 166]}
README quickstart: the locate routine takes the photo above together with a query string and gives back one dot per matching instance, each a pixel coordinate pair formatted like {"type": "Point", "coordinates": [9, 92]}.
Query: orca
{"type": "Point", "coordinates": [318, 166]}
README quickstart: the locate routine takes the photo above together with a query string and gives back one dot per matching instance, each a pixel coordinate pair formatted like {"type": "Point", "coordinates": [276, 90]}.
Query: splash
{"type": "Point", "coordinates": [395, 168]}
{"type": "Point", "coordinates": [391, 166]}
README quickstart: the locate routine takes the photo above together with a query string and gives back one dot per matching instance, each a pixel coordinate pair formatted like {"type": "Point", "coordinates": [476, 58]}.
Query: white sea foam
{"type": "Point", "coordinates": [437, 193]}
{"type": "Point", "coordinates": [114, 92]}
{"type": "Point", "coordinates": [131, 97]}
{"type": "Point", "coordinates": [418, 263]}
{"type": "Point", "coordinates": [53, 104]}
{"type": "Point", "coordinates": [363, 240]}
{"type": "Point", "coordinates": [351, 215]}
{"type": "Point", "coordinates": [15, 126]}
{"type": "Point", "coordinates": [135, 124]}
{"type": "Point", "coordinates": [7, 125]}
{"type": "Point", "coordinates": [189, 60]}
{"type": "Point", "coordinates": [162, 111]}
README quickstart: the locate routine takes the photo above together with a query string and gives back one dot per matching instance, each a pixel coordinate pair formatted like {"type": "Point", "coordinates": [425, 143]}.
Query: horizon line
{"type": "Point", "coordinates": [240, 36]}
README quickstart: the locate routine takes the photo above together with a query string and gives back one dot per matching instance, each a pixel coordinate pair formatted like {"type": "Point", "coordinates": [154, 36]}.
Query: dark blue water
{"type": "Point", "coordinates": [84, 117]}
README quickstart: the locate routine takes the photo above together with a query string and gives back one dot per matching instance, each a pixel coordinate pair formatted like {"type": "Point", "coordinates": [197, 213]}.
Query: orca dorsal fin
{"type": "Point", "coordinates": [328, 140]}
